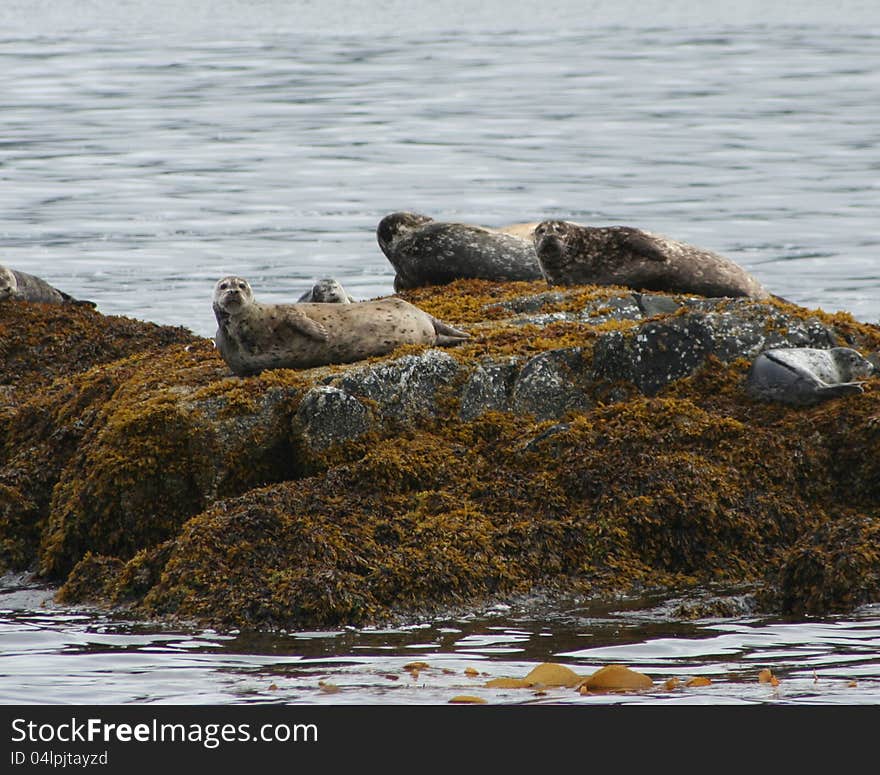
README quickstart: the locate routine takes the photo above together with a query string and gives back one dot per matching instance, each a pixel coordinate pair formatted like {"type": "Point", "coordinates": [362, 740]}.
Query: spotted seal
{"type": "Point", "coordinates": [22, 286]}
{"type": "Point", "coordinates": [572, 254]}
{"type": "Point", "coordinates": [804, 375]}
{"type": "Point", "coordinates": [428, 252]}
{"type": "Point", "coordinates": [327, 291]}
{"type": "Point", "coordinates": [253, 337]}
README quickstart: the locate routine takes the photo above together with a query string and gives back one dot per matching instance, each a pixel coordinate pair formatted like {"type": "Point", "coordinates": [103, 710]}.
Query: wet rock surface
{"type": "Point", "coordinates": [585, 440]}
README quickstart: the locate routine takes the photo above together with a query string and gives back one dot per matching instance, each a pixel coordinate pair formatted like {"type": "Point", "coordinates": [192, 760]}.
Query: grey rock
{"type": "Point", "coordinates": [652, 304]}
{"type": "Point", "coordinates": [328, 416]}
{"type": "Point", "coordinates": [659, 351]}
{"type": "Point", "coordinates": [530, 304]}
{"type": "Point", "coordinates": [656, 354]}
{"type": "Point", "coordinates": [406, 388]}
{"type": "Point", "coordinates": [543, 319]}
{"type": "Point", "coordinates": [489, 388]}
{"type": "Point", "coordinates": [551, 384]}
{"type": "Point", "coordinates": [623, 307]}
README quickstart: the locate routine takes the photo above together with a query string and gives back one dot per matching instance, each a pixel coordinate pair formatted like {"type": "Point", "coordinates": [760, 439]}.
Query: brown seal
{"type": "Point", "coordinates": [22, 286]}
{"type": "Point", "coordinates": [571, 254]}
{"type": "Point", "coordinates": [428, 252]}
{"type": "Point", "coordinates": [253, 337]}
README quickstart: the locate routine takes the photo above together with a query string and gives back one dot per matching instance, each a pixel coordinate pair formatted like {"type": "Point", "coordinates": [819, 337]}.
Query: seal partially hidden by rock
{"type": "Point", "coordinates": [327, 291]}
{"type": "Point", "coordinates": [428, 252]}
{"type": "Point", "coordinates": [21, 286]}
{"type": "Point", "coordinates": [803, 376]}
{"type": "Point", "coordinates": [253, 337]}
{"type": "Point", "coordinates": [571, 254]}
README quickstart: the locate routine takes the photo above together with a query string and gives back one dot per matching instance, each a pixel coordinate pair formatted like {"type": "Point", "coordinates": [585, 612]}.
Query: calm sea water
{"type": "Point", "coordinates": [50, 655]}
{"type": "Point", "coordinates": [146, 149]}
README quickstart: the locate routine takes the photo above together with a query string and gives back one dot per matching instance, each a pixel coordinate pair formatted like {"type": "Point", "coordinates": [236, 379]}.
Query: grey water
{"type": "Point", "coordinates": [51, 655]}
{"type": "Point", "coordinates": [147, 149]}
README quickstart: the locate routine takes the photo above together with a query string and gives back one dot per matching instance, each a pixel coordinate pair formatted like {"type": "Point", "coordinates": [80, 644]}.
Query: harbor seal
{"type": "Point", "coordinates": [572, 254]}
{"type": "Point", "coordinates": [22, 286]}
{"type": "Point", "coordinates": [803, 376]}
{"type": "Point", "coordinates": [253, 337]}
{"type": "Point", "coordinates": [428, 252]}
{"type": "Point", "coordinates": [327, 291]}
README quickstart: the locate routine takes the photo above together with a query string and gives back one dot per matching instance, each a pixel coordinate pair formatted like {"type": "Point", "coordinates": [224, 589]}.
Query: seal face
{"type": "Point", "coordinates": [572, 254]}
{"type": "Point", "coordinates": [327, 291]}
{"type": "Point", "coordinates": [428, 252]}
{"type": "Point", "coordinates": [803, 376]}
{"type": "Point", "coordinates": [253, 337]}
{"type": "Point", "coordinates": [22, 286]}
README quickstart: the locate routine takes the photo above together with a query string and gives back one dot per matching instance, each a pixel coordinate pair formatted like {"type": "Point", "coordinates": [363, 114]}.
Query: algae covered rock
{"type": "Point", "coordinates": [583, 440]}
{"type": "Point", "coordinates": [832, 569]}
{"type": "Point", "coordinates": [659, 351]}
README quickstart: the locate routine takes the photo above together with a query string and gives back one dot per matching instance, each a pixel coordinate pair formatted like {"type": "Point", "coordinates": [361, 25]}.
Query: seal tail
{"type": "Point", "coordinates": [446, 334]}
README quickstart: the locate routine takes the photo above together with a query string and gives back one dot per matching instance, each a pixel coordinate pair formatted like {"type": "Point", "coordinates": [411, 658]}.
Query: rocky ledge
{"type": "Point", "coordinates": [584, 441]}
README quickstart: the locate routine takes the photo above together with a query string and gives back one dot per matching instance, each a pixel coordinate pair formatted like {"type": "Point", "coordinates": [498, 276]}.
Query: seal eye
{"type": "Point", "coordinates": [224, 286]}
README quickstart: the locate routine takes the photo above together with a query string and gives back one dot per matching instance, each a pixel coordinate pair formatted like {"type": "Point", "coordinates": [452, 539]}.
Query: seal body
{"type": "Point", "coordinates": [327, 291]}
{"type": "Point", "coordinates": [428, 252]}
{"type": "Point", "coordinates": [253, 337]}
{"type": "Point", "coordinates": [803, 376]}
{"type": "Point", "coordinates": [571, 254]}
{"type": "Point", "coordinates": [22, 286]}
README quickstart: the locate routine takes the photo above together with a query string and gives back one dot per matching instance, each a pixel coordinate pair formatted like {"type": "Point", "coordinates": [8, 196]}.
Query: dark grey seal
{"type": "Point", "coordinates": [327, 291]}
{"type": "Point", "coordinates": [22, 286]}
{"type": "Point", "coordinates": [803, 376]}
{"type": "Point", "coordinates": [253, 337]}
{"type": "Point", "coordinates": [571, 254]}
{"type": "Point", "coordinates": [428, 252]}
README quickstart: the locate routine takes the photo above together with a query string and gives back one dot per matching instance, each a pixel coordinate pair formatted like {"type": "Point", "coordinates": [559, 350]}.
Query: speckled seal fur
{"type": "Point", "coordinates": [428, 252]}
{"type": "Point", "coordinates": [327, 291]}
{"type": "Point", "coordinates": [802, 376]}
{"type": "Point", "coordinates": [572, 254]}
{"type": "Point", "coordinates": [21, 286]}
{"type": "Point", "coordinates": [253, 337]}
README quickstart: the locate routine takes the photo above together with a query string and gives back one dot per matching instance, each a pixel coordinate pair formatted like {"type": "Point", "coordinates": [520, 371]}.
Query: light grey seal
{"type": "Point", "coordinates": [803, 376]}
{"type": "Point", "coordinates": [22, 286]}
{"type": "Point", "coordinates": [327, 291]}
{"type": "Point", "coordinates": [253, 337]}
{"type": "Point", "coordinates": [572, 254]}
{"type": "Point", "coordinates": [428, 252]}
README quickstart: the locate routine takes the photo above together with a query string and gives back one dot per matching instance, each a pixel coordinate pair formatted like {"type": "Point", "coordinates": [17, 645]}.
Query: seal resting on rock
{"type": "Point", "coordinates": [571, 254]}
{"type": "Point", "coordinates": [804, 375]}
{"type": "Point", "coordinates": [327, 291]}
{"type": "Point", "coordinates": [22, 286]}
{"type": "Point", "coordinates": [428, 252]}
{"type": "Point", "coordinates": [253, 337]}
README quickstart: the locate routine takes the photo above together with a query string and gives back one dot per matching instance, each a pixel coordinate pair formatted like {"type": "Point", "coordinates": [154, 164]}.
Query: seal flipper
{"type": "Point", "coordinates": [446, 334]}
{"type": "Point", "coordinates": [301, 323]}
{"type": "Point", "coordinates": [808, 392]}
{"type": "Point", "coordinates": [841, 389]}
{"type": "Point", "coordinates": [639, 243]}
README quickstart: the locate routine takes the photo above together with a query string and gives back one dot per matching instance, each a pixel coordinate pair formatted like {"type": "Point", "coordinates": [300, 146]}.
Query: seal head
{"type": "Point", "coordinates": [8, 284]}
{"type": "Point", "coordinates": [327, 291]}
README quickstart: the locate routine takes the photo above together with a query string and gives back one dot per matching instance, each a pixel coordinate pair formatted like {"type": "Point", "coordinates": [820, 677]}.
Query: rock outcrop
{"type": "Point", "coordinates": [589, 440]}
